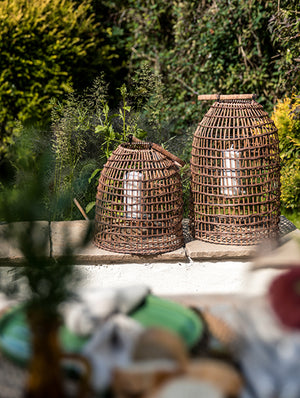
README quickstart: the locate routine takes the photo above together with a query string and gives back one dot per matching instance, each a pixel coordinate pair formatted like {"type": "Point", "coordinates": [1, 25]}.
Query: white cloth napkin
{"type": "Point", "coordinates": [92, 307]}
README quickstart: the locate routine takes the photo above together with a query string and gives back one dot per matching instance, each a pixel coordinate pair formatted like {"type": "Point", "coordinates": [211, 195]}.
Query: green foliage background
{"type": "Point", "coordinates": [236, 46]}
{"type": "Point", "coordinates": [166, 53]}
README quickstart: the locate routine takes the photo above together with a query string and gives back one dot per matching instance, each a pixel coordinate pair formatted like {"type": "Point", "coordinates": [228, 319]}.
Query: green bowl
{"type": "Point", "coordinates": [162, 313]}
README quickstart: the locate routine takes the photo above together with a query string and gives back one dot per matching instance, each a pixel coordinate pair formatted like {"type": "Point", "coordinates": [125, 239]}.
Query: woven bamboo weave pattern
{"type": "Point", "coordinates": [139, 206]}
{"type": "Point", "coordinates": [235, 174]}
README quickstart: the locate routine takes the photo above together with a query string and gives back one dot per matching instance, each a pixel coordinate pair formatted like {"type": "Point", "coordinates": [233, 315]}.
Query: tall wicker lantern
{"type": "Point", "coordinates": [235, 173]}
{"type": "Point", "coordinates": [139, 206]}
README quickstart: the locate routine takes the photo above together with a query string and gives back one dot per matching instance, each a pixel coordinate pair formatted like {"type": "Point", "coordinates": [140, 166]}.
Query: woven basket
{"type": "Point", "coordinates": [235, 173]}
{"type": "Point", "coordinates": [139, 206]}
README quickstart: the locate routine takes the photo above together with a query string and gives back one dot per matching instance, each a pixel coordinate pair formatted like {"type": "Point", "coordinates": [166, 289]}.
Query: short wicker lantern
{"type": "Point", "coordinates": [139, 205]}
{"type": "Point", "coordinates": [235, 173]}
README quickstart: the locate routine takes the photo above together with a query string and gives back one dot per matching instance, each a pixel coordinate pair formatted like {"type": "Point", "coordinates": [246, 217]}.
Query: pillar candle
{"type": "Point", "coordinates": [230, 172]}
{"type": "Point", "coordinates": [133, 194]}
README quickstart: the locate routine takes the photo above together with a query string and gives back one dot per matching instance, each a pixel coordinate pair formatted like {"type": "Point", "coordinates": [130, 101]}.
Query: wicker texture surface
{"type": "Point", "coordinates": [235, 175]}
{"type": "Point", "coordinates": [139, 205]}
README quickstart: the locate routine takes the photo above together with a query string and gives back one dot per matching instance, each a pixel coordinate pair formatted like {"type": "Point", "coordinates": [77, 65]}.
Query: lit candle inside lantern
{"type": "Point", "coordinates": [133, 194]}
{"type": "Point", "coordinates": [230, 172]}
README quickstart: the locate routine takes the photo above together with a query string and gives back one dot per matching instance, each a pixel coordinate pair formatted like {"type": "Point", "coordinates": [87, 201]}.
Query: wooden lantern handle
{"type": "Point", "coordinates": [158, 148]}
{"type": "Point", "coordinates": [225, 96]}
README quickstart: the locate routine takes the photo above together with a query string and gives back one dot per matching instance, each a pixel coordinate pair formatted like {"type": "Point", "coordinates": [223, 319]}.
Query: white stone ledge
{"type": "Point", "coordinates": [199, 250]}
{"type": "Point", "coordinates": [74, 231]}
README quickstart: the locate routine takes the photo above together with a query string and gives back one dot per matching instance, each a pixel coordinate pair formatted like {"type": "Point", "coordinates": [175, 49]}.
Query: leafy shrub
{"type": "Point", "coordinates": [86, 131]}
{"type": "Point", "coordinates": [287, 119]}
{"type": "Point", "coordinates": [214, 46]}
{"type": "Point", "coordinates": [43, 44]}
{"type": "Point", "coordinates": [203, 47]}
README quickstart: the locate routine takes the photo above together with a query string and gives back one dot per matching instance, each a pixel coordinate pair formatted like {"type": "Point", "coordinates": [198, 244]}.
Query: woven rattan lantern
{"type": "Point", "coordinates": [235, 173]}
{"type": "Point", "coordinates": [139, 206]}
